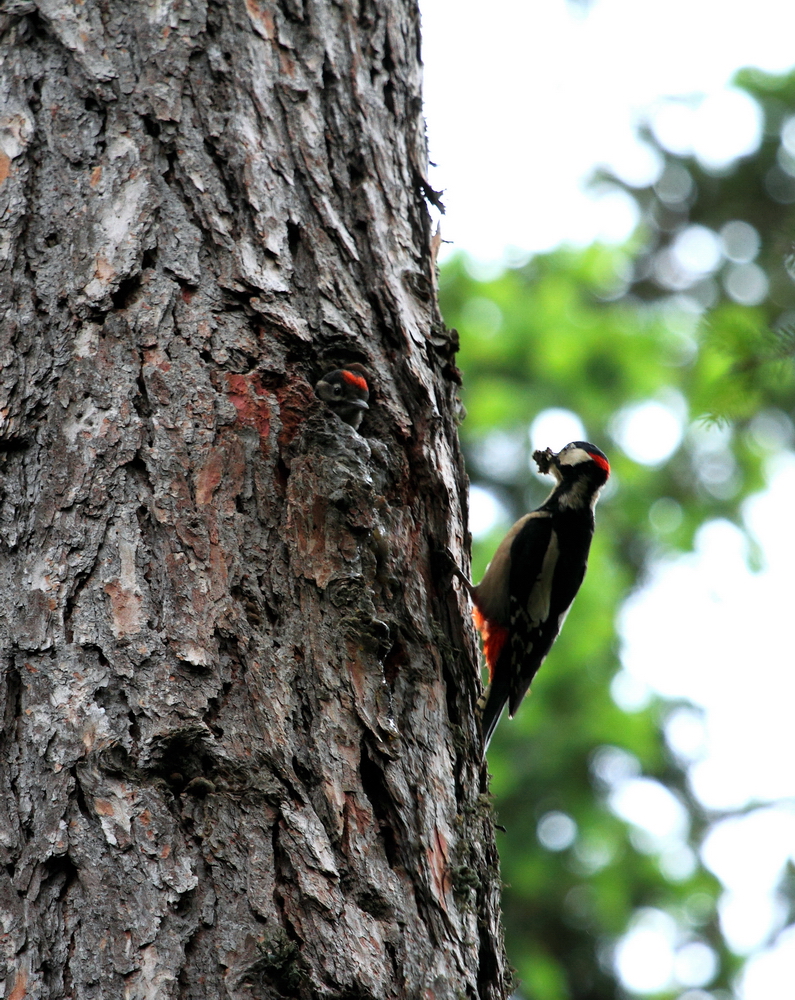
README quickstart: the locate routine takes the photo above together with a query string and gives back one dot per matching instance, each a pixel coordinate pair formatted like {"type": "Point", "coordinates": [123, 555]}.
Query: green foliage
{"type": "Point", "coordinates": [548, 339]}
{"type": "Point", "coordinates": [745, 347]}
{"type": "Point", "coordinates": [598, 332]}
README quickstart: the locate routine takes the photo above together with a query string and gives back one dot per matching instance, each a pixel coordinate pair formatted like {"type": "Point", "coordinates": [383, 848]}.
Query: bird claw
{"type": "Point", "coordinates": [446, 564]}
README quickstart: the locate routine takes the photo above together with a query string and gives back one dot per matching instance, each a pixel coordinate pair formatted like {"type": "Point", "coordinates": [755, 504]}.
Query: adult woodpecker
{"type": "Point", "coordinates": [529, 585]}
{"type": "Point", "coordinates": [346, 392]}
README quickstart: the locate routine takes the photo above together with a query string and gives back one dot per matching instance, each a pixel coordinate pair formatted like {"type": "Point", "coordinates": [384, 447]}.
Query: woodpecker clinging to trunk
{"type": "Point", "coordinates": [529, 585]}
{"type": "Point", "coordinates": [346, 392]}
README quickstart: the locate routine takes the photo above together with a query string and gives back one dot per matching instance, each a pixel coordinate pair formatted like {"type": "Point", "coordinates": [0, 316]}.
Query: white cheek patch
{"type": "Point", "coordinates": [574, 457]}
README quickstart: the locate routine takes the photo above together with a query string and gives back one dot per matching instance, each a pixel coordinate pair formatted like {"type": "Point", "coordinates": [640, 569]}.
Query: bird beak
{"type": "Point", "coordinates": [548, 463]}
{"type": "Point", "coordinates": [358, 403]}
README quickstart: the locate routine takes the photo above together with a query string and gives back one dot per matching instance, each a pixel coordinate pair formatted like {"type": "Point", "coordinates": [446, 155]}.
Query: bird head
{"type": "Point", "coordinates": [579, 464]}
{"type": "Point", "coordinates": [345, 391]}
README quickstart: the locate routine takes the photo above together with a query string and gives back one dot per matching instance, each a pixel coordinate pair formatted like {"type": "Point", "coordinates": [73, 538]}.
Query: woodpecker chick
{"type": "Point", "coordinates": [345, 391]}
{"type": "Point", "coordinates": [529, 585]}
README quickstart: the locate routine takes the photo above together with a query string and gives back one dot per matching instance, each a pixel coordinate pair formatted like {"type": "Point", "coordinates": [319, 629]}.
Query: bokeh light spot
{"type": "Point", "coordinates": [718, 129]}
{"type": "Point", "coordinates": [665, 515]}
{"type": "Point", "coordinates": [483, 268]}
{"type": "Point", "coordinates": [698, 250]}
{"type": "Point", "coordinates": [483, 315]}
{"type": "Point", "coordinates": [649, 432]}
{"type": "Point", "coordinates": [695, 964]}
{"type": "Point", "coordinates": [672, 123]}
{"type": "Point", "coordinates": [612, 765]}
{"type": "Point", "coordinates": [677, 862]}
{"type": "Point", "coordinates": [746, 284]}
{"type": "Point", "coordinates": [629, 692]}
{"type": "Point", "coordinates": [593, 854]}
{"type": "Point", "coordinates": [780, 185]}
{"type": "Point", "coordinates": [741, 241]}
{"type": "Point", "coordinates": [771, 430]}
{"type": "Point", "coordinates": [615, 213]}
{"type": "Point", "coordinates": [555, 428]}
{"type": "Point", "coordinates": [728, 125]}
{"type": "Point", "coordinates": [644, 957]}
{"type": "Point", "coordinates": [649, 805]}
{"type": "Point", "coordinates": [637, 163]}
{"type": "Point", "coordinates": [786, 161]}
{"type": "Point", "coordinates": [556, 831]}
{"type": "Point", "coordinates": [485, 511]}
{"type": "Point", "coordinates": [788, 135]}
{"type": "Point", "coordinates": [685, 733]}
{"type": "Point", "coordinates": [675, 186]}
{"type": "Point", "coordinates": [501, 456]}
{"type": "Point", "coordinates": [763, 840]}
{"type": "Point", "coordinates": [769, 976]}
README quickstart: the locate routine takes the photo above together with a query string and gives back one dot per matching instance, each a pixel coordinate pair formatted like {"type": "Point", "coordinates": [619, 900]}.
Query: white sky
{"type": "Point", "coordinates": [524, 99]}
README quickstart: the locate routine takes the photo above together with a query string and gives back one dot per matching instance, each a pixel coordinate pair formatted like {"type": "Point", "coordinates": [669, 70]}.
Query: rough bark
{"type": "Point", "coordinates": [238, 751]}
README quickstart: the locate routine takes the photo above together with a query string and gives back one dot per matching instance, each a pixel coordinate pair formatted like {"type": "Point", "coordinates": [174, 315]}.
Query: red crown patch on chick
{"type": "Point", "coordinates": [346, 392]}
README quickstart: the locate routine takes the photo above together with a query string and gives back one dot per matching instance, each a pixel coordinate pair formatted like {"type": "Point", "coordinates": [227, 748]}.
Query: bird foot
{"type": "Point", "coordinates": [446, 564]}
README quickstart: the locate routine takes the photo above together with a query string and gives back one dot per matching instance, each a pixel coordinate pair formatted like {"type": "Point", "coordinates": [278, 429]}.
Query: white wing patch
{"type": "Point", "coordinates": [541, 594]}
{"type": "Point", "coordinates": [493, 595]}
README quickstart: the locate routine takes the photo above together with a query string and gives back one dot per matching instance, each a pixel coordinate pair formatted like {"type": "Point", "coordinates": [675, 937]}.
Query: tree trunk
{"type": "Point", "coordinates": [239, 756]}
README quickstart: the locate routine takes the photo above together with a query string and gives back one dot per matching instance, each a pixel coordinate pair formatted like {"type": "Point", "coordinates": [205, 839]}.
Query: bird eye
{"type": "Point", "coordinates": [337, 390]}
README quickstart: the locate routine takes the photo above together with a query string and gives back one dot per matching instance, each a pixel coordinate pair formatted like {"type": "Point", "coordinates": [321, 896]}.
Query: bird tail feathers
{"type": "Point", "coordinates": [491, 704]}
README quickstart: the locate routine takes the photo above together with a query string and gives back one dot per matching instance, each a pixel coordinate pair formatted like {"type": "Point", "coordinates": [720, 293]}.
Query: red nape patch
{"type": "Point", "coordinates": [494, 637]}
{"type": "Point", "coordinates": [357, 380]}
{"type": "Point", "coordinates": [601, 462]}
